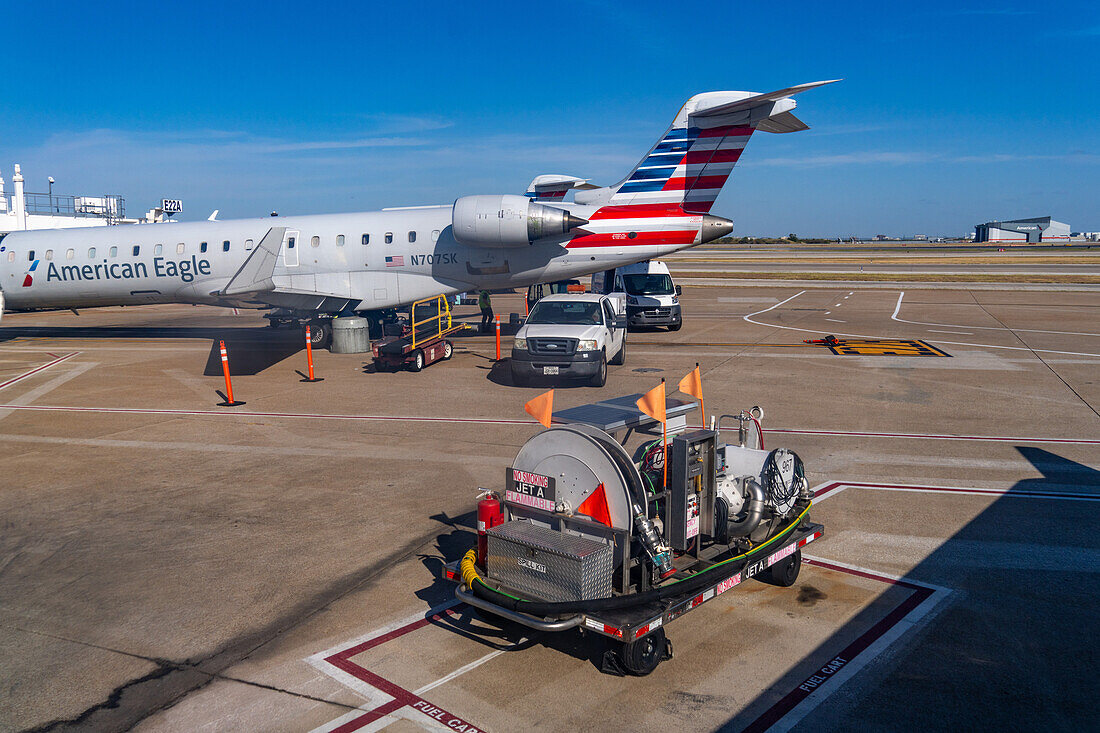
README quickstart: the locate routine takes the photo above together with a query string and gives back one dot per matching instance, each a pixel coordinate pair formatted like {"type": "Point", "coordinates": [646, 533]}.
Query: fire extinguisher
{"type": "Point", "coordinates": [490, 513]}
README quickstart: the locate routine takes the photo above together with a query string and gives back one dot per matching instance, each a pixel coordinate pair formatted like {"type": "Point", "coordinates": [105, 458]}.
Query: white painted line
{"type": "Point", "coordinates": [832, 488]}
{"type": "Point", "coordinates": [838, 305]}
{"type": "Point", "coordinates": [373, 695]}
{"type": "Point", "coordinates": [37, 369]}
{"type": "Point", "coordinates": [933, 436]}
{"type": "Point", "coordinates": [938, 341]}
{"type": "Point", "coordinates": [897, 307]}
{"type": "Point", "coordinates": [31, 395]}
{"type": "Point", "coordinates": [835, 320]}
{"type": "Point", "coordinates": [985, 328]}
{"type": "Point", "coordinates": [918, 616]}
{"type": "Point", "coordinates": [464, 669]}
{"type": "Point", "coordinates": [957, 333]}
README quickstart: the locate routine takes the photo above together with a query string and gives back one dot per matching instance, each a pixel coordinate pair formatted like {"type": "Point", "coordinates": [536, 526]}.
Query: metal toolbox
{"type": "Point", "coordinates": [548, 565]}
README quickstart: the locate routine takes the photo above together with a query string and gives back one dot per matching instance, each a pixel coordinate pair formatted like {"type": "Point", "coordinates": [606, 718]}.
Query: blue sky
{"type": "Point", "coordinates": [949, 114]}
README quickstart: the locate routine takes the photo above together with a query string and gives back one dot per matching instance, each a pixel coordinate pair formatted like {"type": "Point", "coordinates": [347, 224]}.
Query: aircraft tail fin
{"type": "Point", "coordinates": [687, 168]}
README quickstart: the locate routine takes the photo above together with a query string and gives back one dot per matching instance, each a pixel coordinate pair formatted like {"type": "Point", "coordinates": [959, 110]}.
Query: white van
{"type": "Point", "coordinates": [651, 297]}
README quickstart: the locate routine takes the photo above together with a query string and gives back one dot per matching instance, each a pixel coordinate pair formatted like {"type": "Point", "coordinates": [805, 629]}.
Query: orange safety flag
{"type": "Point", "coordinates": [542, 407]}
{"type": "Point", "coordinates": [652, 402]}
{"type": "Point", "coordinates": [692, 384]}
{"type": "Point", "coordinates": [595, 506]}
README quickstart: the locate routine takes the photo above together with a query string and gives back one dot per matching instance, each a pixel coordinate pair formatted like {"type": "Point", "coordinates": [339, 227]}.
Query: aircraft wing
{"type": "Point", "coordinates": [306, 300]}
{"type": "Point", "coordinates": [255, 274]}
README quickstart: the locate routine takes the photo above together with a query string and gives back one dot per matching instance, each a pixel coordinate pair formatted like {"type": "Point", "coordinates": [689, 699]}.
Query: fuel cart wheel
{"type": "Point", "coordinates": [417, 362]}
{"type": "Point", "coordinates": [784, 573]}
{"type": "Point", "coordinates": [448, 349]}
{"type": "Point", "coordinates": [641, 656]}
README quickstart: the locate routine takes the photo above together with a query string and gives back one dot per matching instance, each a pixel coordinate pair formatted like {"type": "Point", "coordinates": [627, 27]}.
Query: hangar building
{"type": "Point", "coordinates": [1041, 229]}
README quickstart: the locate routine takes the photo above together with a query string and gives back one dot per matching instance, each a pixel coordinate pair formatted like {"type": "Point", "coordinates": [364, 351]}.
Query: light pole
{"type": "Point", "coordinates": [50, 179]}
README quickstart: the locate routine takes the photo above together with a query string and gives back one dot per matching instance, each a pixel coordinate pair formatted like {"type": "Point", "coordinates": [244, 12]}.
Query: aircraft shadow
{"type": "Point", "coordinates": [251, 350]}
{"type": "Point", "coordinates": [1003, 651]}
{"type": "Point", "coordinates": [250, 356]}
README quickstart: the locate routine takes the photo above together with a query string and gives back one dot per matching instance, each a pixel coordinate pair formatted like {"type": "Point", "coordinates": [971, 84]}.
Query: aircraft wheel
{"type": "Point", "coordinates": [417, 362]}
{"type": "Point", "coordinates": [320, 333]}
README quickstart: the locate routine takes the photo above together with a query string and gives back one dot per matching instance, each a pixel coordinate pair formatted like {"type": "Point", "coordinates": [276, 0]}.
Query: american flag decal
{"type": "Point", "coordinates": [398, 261]}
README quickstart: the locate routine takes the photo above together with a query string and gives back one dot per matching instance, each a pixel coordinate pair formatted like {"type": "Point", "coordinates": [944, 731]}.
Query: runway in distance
{"type": "Point", "coordinates": [308, 268]}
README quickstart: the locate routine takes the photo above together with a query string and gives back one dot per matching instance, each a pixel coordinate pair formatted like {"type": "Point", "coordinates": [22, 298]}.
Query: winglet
{"type": "Point", "coordinates": [255, 274]}
{"type": "Point", "coordinates": [758, 99]}
{"type": "Point", "coordinates": [213, 216]}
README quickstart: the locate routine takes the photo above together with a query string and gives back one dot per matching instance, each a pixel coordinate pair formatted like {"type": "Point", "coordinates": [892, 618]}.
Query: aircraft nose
{"type": "Point", "coordinates": [714, 227]}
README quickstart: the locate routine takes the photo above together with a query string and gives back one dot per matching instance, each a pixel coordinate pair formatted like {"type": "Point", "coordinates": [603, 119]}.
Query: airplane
{"type": "Point", "coordinates": [306, 269]}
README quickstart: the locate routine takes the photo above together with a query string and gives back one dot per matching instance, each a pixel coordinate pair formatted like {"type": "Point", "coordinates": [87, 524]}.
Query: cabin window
{"type": "Point", "coordinates": [290, 241]}
{"type": "Point", "coordinates": [91, 253]}
{"type": "Point", "coordinates": [248, 245]}
{"type": "Point", "coordinates": [435, 235]}
{"type": "Point", "coordinates": [412, 236]}
{"type": "Point", "coordinates": [225, 246]}
{"type": "Point", "coordinates": [113, 252]}
{"type": "Point", "coordinates": [366, 239]}
{"type": "Point", "coordinates": [158, 249]}
{"type": "Point", "coordinates": [389, 237]}
{"type": "Point", "coordinates": [315, 241]}
{"type": "Point", "coordinates": [11, 256]}
{"type": "Point", "coordinates": [202, 247]}
{"type": "Point", "coordinates": [49, 254]}
{"type": "Point", "coordinates": [339, 240]}
{"type": "Point", "coordinates": [70, 253]}
{"type": "Point", "coordinates": [137, 249]}
{"type": "Point", "coordinates": [181, 248]}
{"type": "Point", "coordinates": [30, 256]}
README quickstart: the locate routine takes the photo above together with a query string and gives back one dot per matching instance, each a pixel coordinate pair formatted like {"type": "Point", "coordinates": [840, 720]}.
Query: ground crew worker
{"type": "Point", "coordinates": [486, 306]}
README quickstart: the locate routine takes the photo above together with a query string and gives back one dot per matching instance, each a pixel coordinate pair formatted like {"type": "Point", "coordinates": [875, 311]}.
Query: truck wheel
{"type": "Point", "coordinates": [448, 350]}
{"type": "Point", "coordinates": [621, 356]}
{"type": "Point", "coordinates": [417, 362]}
{"type": "Point", "coordinates": [785, 573]}
{"type": "Point", "coordinates": [599, 379]}
{"type": "Point", "coordinates": [676, 326]}
{"type": "Point", "coordinates": [320, 333]}
{"type": "Point", "coordinates": [641, 656]}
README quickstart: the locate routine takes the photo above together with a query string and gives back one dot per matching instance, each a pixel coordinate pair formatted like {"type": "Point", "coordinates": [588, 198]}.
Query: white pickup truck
{"type": "Point", "coordinates": [571, 335]}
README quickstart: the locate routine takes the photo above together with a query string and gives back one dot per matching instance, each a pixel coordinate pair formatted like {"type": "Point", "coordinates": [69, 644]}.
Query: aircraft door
{"type": "Point", "coordinates": [291, 243]}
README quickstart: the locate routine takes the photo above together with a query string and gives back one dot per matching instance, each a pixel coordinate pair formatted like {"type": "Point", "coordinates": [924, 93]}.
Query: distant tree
{"type": "Point", "coordinates": [793, 237]}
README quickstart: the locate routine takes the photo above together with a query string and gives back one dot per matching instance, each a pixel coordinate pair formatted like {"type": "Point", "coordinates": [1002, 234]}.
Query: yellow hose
{"type": "Point", "coordinates": [468, 569]}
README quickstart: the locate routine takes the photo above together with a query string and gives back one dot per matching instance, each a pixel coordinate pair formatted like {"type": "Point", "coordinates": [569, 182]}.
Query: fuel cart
{"type": "Point", "coordinates": [585, 534]}
{"type": "Point", "coordinates": [422, 342]}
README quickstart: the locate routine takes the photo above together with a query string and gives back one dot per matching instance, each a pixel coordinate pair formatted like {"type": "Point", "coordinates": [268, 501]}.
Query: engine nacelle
{"type": "Point", "coordinates": [508, 221]}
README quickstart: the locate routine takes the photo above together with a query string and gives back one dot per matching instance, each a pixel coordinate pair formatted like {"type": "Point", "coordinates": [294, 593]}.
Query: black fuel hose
{"type": "Point", "coordinates": [686, 586]}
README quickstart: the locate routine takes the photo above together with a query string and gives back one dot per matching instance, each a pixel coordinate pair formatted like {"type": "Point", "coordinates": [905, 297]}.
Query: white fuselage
{"type": "Point", "coordinates": [343, 260]}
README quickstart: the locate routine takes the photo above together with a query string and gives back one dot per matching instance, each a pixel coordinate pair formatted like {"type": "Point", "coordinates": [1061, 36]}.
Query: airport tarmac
{"type": "Point", "coordinates": [170, 564]}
